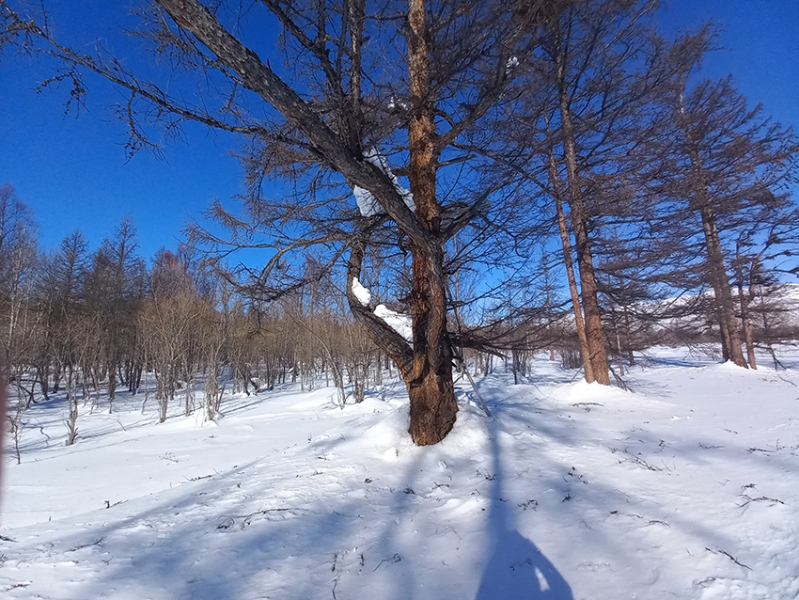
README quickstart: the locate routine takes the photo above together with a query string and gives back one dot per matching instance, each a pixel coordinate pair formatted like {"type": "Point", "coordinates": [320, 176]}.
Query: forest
{"type": "Point", "coordinates": [434, 189]}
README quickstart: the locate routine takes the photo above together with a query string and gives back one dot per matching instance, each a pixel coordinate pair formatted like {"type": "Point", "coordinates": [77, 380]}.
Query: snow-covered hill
{"type": "Point", "coordinates": [685, 487]}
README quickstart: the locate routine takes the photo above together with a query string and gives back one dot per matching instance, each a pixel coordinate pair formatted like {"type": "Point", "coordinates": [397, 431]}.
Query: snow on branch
{"type": "Point", "coordinates": [363, 295]}
{"type": "Point", "coordinates": [399, 322]}
{"type": "Point", "coordinates": [367, 203]}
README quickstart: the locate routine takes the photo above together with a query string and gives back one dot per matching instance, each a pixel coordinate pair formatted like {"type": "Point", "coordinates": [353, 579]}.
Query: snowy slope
{"type": "Point", "coordinates": [686, 487]}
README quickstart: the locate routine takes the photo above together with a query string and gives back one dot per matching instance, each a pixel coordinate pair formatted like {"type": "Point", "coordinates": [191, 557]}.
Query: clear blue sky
{"type": "Point", "coordinates": [73, 172]}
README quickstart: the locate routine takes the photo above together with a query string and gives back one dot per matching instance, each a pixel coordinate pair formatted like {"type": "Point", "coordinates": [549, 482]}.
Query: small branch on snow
{"type": "Point", "coordinates": [96, 542]}
{"type": "Point", "coordinates": [748, 500]}
{"type": "Point", "coordinates": [728, 555]}
{"type": "Point", "coordinates": [245, 520]}
{"type": "Point", "coordinates": [394, 559]}
{"type": "Point", "coordinates": [636, 460]}
{"type": "Point", "coordinates": [586, 406]}
{"type": "Point", "coordinates": [198, 478]}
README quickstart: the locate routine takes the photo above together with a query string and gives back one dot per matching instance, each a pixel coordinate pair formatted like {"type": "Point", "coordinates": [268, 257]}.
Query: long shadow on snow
{"type": "Point", "coordinates": [517, 568]}
{"type": "Point", "coordinates": [187, 561]}
{"type": "Point", "coordinates": [192, 558]}
{"type": "Point", "coordinates": [603, 498]}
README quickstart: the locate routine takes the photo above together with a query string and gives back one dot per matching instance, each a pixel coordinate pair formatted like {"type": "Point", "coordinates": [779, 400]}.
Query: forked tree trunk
{"type": "Point", "coordinates": [721, 287]}
{"type": "Point", "coordinates": [715, 260]}
{"type": "Point", "coordinates": [585, 262]}
{"type": "Point", "coordinates": [425, 364]}
{"type": "Point", "coordinates": [744, 301]}
{"type": "Point", "coordinates": [567, 260]}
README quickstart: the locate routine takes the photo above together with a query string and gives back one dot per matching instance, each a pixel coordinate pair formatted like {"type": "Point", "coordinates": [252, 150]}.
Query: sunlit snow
{"type": "Point", "coordinates": [399, 322]}
{"type": "Point", "coordinates": [685, 487]}
{"type": "Point", "coordinates": [367, 203]}
{"type": "Point", "coordinates": [363, 295]}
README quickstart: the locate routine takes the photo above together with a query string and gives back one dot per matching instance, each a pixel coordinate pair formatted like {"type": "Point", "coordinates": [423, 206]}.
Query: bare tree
{"type": "Point", "coordinates": [346, 108]}
{"type": "Point", "coordinates": [719, 171]}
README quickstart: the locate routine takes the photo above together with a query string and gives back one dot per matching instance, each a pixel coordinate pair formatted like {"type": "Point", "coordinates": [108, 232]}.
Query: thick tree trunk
{"type": "Point", "coordinates": [426, 364]}
{"type": "Point", "coordinates": [747, 327]}
{"type": "Point", "coordinates": [715, 260]}
{"type": "Point", "coordinates": [721, 287]}
{"type": "Point", "coordinates": [433, 406]}
{"type": "Point", "coordinates": [430, 387]}
{"type": "Point", "coordinates": [593, 322]}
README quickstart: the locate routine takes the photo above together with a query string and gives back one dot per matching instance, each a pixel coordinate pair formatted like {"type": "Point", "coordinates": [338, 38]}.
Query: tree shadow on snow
{"type": "Point", "coordinates": [517, 568]}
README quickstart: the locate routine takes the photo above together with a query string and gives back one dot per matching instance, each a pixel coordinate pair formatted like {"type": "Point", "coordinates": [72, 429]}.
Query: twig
{"type": "Point", "coordinates": [96, 542]}
{"type": "Point", "coordinates": [728, 555]}
{"type": "Point", "coordinates": [747, 500]}
{"type": "Point", "coordinates": [619, 380]}
{"type": "Point", "coordinates": [474, 387]}
{"type": "Point", "coordinates": [247, 519]}
{"type": "Point", "coordinates": [639, 461]}
{"type": "Point", "coordinates": [394, 559]}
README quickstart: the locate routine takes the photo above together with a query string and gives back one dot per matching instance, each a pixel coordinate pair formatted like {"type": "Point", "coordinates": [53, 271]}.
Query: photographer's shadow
{"type": "Point", "coordinates": [517, 569]}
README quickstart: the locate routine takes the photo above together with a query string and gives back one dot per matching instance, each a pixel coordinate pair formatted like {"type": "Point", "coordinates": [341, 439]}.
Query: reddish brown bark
{"type": "Point", "coordinates": [715, 259]}
{"type": "Point", "coordinates": [430, 387]}
{"type": "Point", "coordinates": [593, 322]}
{"type": "Point", "coordinates": [567, 259]}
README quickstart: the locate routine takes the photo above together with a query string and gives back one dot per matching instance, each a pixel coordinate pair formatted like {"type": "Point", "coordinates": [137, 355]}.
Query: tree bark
{"type": "Point", "coordinates": [431, 390]}
{"type": "Point", "coordinates": [715, 259]}
{"type": "Point", "coordinates": [744, 301]}
{"type": "Point", "coordinates": [567, 260]}
{"type": "Point", "coordinates": [593, 322]}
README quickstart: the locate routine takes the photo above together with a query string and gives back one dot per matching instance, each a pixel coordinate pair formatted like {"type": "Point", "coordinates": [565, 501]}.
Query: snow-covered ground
{"type": "Point", "coordinates": [685, 487]}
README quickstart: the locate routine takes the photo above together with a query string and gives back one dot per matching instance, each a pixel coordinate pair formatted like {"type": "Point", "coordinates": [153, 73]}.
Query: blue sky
{"type": "Point", "coordinates": [72, 170]}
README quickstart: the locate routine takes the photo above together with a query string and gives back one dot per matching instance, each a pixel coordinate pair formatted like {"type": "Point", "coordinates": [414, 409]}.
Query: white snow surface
{"type": "Point", "coordinates": [685, 487]}
{"type": "Point", "coordinates": [367, 203]}
{"type": "Point", "coordinates": [401, 323]}
{"type": "Point", "coordinates": [363, 294]}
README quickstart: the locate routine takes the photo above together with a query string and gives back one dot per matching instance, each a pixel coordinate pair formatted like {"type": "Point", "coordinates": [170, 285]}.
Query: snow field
{"type": "Point", "coordinates": [685, 487]}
